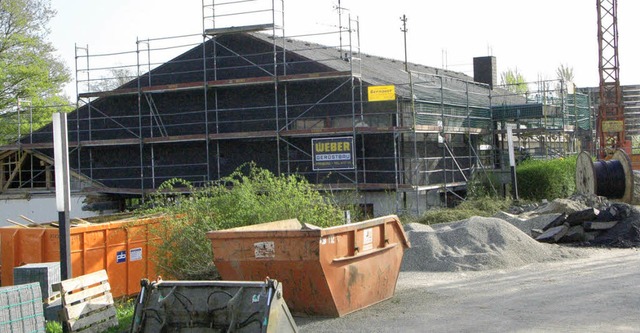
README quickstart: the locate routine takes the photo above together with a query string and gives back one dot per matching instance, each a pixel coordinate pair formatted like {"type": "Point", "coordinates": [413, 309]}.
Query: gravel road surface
{"type": "Point", "coordinates": [599, 292]}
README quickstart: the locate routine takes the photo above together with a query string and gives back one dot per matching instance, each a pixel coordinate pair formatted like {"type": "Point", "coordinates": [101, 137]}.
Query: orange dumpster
{"type": "Point", "coordinates": [324, 271]}
{"type": "Point", "coordinates": [120, 247]}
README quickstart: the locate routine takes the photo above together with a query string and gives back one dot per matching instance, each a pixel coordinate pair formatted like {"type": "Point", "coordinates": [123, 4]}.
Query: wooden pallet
{"type": "Point", "coordinates": [87, 303]}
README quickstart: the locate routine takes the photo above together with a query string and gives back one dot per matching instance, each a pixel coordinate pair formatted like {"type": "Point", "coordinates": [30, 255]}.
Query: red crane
{"type": "Point", "coordinates": [610, 128]}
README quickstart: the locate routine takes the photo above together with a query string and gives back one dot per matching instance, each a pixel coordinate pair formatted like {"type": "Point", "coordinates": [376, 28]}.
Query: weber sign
{"type": "Point", "coordinates": [332, 153]}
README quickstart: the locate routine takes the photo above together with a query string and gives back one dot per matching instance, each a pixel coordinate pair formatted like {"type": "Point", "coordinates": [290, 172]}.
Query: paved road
{"type": "Point", "coordinates": [600, 293]}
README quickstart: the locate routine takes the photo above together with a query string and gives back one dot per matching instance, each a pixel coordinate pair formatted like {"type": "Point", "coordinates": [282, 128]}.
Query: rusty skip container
{"type": "Point", "coordinates": [324, 271]}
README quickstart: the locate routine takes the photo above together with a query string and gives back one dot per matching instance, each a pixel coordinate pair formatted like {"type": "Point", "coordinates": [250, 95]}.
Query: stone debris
{"type": "Point", "coordinates": [512, 239]}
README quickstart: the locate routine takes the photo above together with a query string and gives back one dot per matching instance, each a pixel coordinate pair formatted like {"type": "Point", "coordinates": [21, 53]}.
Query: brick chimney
{"type": "Point", "coordinates": [485, 70]}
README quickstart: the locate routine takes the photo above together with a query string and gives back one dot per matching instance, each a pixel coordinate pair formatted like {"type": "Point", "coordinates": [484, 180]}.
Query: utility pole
{"type": "Point", "coordinates": [404, 31]}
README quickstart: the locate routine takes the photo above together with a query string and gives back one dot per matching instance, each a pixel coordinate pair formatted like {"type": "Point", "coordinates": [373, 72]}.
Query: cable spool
{"type": "Point", "coordinates": [612, 178]}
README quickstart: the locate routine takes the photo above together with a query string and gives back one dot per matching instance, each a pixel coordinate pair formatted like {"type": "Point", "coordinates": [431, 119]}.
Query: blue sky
{"type": "Point", "coordinates": [533, 36]}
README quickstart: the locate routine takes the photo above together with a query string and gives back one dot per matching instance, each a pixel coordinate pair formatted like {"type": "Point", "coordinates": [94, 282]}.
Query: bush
{"type": "Point", "coordinates": [243, 198]}
{"type": "Point", "coordinates": [547, 179]}
{"type": "Point", "coordinates": [483, 184]}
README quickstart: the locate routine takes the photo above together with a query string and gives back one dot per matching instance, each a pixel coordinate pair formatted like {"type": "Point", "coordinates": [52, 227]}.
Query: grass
{"type": "Point", "coordinates": [124, 312]}
{"type": "Point", "coordinates": [484, 206]}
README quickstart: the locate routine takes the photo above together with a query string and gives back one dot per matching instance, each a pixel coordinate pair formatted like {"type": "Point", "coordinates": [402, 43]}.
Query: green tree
{"type": "Point", "coordinates": [30, 73]}
{"type": "Point", "coordinates": [565, 73]}
{"type": "Point", "coordinates": [514, 81]}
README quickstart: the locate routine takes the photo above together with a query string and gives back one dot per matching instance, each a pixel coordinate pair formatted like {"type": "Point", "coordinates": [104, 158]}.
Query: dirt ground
{"type": "Point", "coordinates": [596, 293]}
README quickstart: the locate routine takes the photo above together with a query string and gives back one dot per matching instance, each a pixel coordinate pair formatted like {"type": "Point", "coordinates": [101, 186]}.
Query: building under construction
{"type": "Point", "coordinates": [403, 137]}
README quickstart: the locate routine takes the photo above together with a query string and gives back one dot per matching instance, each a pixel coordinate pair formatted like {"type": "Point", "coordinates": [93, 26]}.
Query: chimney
{"type": "Point", "coordinates": [485, 70]}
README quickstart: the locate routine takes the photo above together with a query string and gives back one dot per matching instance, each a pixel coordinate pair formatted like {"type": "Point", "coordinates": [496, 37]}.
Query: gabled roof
{"type": "Point", "coordinates": [307, 57]}
{"type": "Point", "coordinates": [377, 70]}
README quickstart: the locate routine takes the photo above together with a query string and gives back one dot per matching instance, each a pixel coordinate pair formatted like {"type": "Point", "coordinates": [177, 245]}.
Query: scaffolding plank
{"type": "Point", "coordinates": [219, 83]}
{"type": "Point", "coordinates": [239, 29]}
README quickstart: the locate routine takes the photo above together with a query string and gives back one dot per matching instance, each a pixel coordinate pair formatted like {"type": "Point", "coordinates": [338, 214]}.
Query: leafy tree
{"type": "Point", "coordinates": [514, 81]}
{"type": "Point", "coordinates": [565, 73]}
{"type": "Point", "coordinates": [115, 78]}
{"type": "Point", "coordinates": [30, 72]}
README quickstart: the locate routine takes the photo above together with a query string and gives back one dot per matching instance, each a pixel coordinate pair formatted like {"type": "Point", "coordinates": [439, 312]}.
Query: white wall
{"type": "Point", "coordinates": [40, 208]}
{"type": "Point", "coordinates": [384, 203]}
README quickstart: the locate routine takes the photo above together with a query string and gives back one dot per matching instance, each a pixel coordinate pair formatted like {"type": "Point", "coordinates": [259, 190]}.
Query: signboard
{"type": "Point", "coordinates": [264, 250]}
{"type": "Point", "coordinates": [381, 93]}
{"type": "Point", "coordinates": [135, 254]}
{"type": "Point", "coordinates": [612, 126]}
{"type": "Point", "coordinates": [332, 153]}
{"type": "Point", "coordinates": [121, 256]}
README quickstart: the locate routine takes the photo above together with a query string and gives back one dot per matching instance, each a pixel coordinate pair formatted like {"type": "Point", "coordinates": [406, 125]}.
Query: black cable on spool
{"type": "Point", "coordinates": [610, 178]}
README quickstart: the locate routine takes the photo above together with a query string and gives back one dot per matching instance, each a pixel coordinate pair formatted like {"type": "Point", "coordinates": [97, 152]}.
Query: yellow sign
{"type": "Point", "coordinates": [612, 126]}
{"type": "Point", "coordinates": [382, 93]}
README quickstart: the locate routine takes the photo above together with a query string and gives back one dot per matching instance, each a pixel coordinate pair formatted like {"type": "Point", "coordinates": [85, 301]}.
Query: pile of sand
{"type": "Point", "coordinates": [477, 243]}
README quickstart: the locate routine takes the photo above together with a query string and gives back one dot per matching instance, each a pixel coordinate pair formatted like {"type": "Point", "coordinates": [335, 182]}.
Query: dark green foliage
{"type": "Point", "coordinates": [250, 195]}
{"type": "Point", "coordinates": [547, 179]}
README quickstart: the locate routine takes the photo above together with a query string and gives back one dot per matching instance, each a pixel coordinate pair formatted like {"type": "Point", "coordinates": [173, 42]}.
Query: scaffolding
{"type": "Point", "coordinates": [243, 90]}
{"type": "Point", "coordinates": [553, 120]}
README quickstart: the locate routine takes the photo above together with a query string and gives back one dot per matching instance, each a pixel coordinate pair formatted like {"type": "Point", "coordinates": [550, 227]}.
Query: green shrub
{"type": "Point", "coordinates": [483, 184]}
{"type": "Point", "coordinates": [250, 195]}
{"type": "Point", "coordinates": [546, 179]}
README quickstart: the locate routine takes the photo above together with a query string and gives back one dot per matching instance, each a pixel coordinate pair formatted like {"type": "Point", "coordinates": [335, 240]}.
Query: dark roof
{"type": "Point", "coordinates": [307, 57]}
{"type": "Point", "coordinates": [377, 70]}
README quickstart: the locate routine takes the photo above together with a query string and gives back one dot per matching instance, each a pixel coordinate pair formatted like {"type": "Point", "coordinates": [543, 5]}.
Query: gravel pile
{"type": "Point", "coordinates": [475, 244]}
{"type": "Point", "coordinates": [507, 239]}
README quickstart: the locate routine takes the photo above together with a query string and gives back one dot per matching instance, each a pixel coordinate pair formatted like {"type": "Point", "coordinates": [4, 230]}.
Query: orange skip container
{"type": "Point", "coordinates": [120, 247]}
{"type": "Point", "coordinates": [324, 271]}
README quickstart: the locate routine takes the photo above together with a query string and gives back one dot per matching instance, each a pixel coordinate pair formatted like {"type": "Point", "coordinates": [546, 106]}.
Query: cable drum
{"type": "Point", "coordinates": [611, 178]}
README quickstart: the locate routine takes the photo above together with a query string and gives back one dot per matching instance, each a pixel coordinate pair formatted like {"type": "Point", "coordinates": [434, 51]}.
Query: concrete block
{"type": "Point", "coordinates": [46, 274]}
{"type": "Point", "coordinates": [554, 234]}
{"type": "Point", "coordinates": [52, 310]}
{"type": "Point", "coordinates": [574, 234]}
{"type": "Point", "coordinates": [576, 218]}
{"type": "Point", "coordinates": [594, 225]}
{"type": "Point", "coordinates": [541, 221]}
{"type": "Point", "coordinates": [21, 308]}
{"type": "Point", "coordinates": [558, 221]}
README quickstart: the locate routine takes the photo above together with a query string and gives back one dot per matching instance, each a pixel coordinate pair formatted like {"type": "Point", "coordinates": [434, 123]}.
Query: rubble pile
{"type": "Point", "coordinates": [475, 244]}
{"type": "Point", "coordinates": [582, 220]}
{"type": "Point", "coordinates": [522, 236]}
